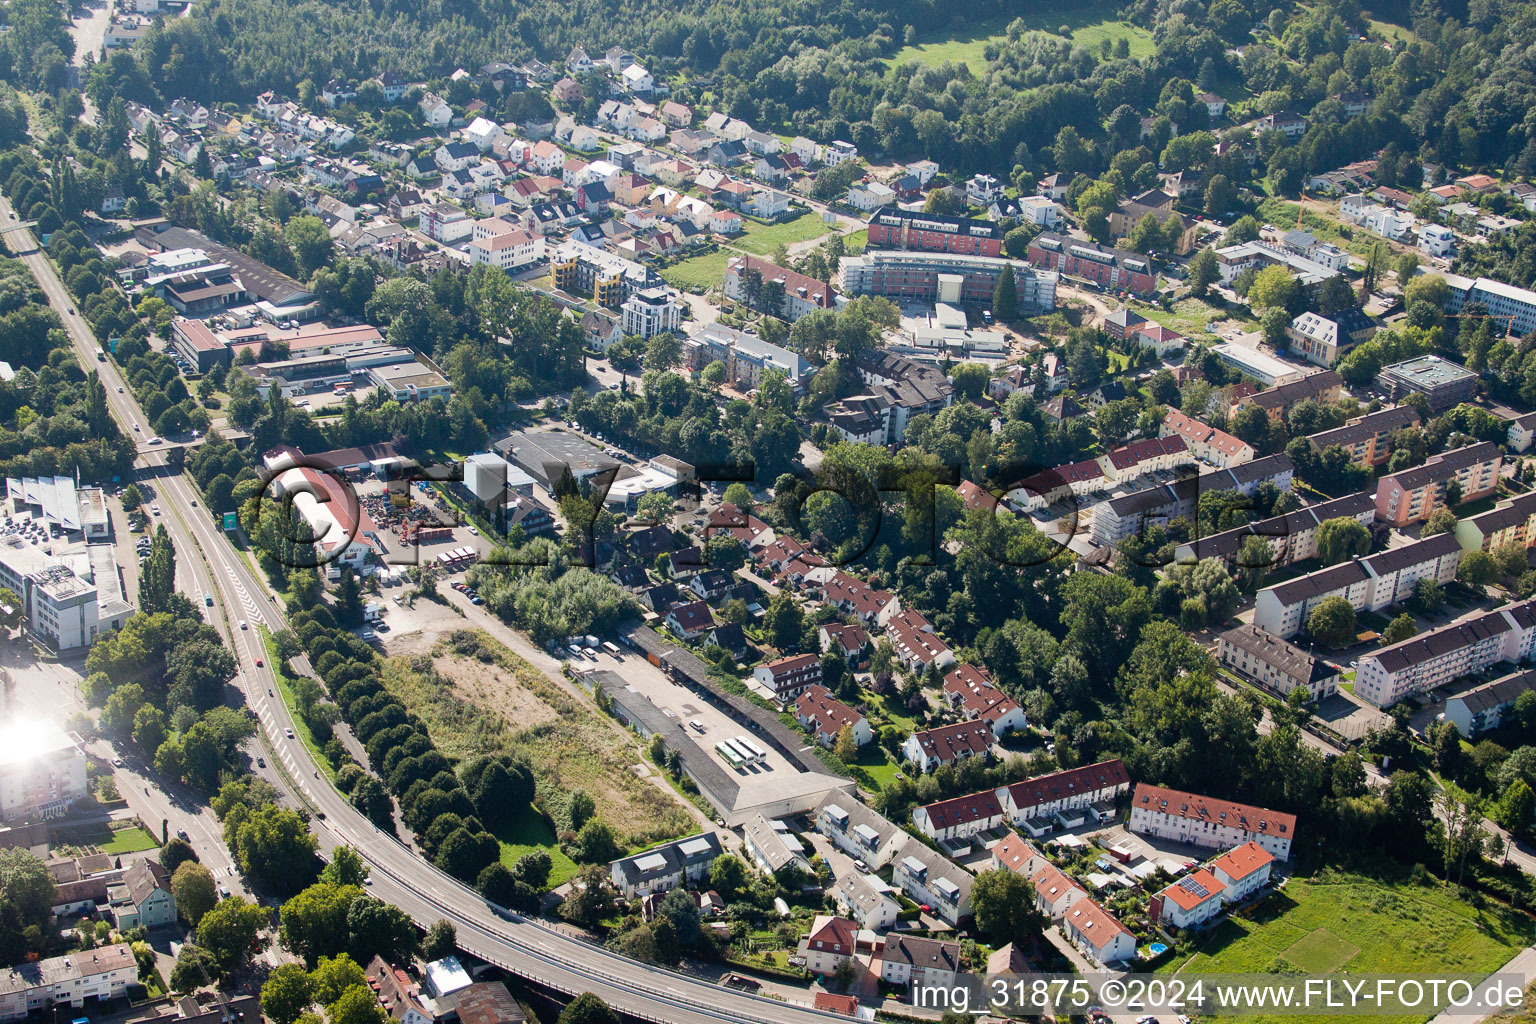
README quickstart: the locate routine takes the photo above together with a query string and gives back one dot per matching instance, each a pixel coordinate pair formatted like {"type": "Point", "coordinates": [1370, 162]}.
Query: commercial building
{"type": "Point", "coordinates": [1368, 438]}
{"type": "Point", "coordinates": [410, 380]}
{"type": "Point", "coordinates": [69, 600]}
{"type": "Point", "coordinates": [1470, 644]}
{"type": "Point", "coordinates": [274, 292]}
{"type": "Point", "coordinates": [944, 277]}
{"type": "Point", "coordinates": [1111, 269]}
{"type": "Point", "coordinates": [1410, 495]}
{"type": "Point", "coordinates": [96, 974]}
{"type": "Point", "coordinates": [1500, 299]}
{"type": "Point", "coordinates": [200, 346]}
{"type": "Point", "coordinates": [1232, 260]}
{"type": "Point", "coordinates": [801, 294]}
{"type": "Point", "coordinates": [42, 770]}
{"type": "Point", "coordinates": [1271, 371]}
{"type": "Point", "coordinates": [1487, 706]}
{"type": "Point", "coordinates": [1368, 584]}
{"type": "Point", "coordinates": [1276, 664]}
{"type": "Point", "coordinates": [345, 534]}
{"type": "Point", "coordinates": [1325, 339]}
{"type": "Point", "coordinates": [1203, 821]}
{"type": "Point", "coordinates": [893, 228]}
{"type": "Point", "coordinates": [1443, 382]}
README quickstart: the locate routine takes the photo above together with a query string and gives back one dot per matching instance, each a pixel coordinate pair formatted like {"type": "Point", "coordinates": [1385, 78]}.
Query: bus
{"type": "Point", "coordinates": [730, 756]}
{"type": "Point", "coordinates": [746, 754]}
{"type": "Point", "coordinates": [758, 752]}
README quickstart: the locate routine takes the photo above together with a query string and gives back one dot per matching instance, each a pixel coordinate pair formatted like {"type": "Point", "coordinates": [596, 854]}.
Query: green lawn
{"type": "Point", "coordinates": [130, 840]}
{"type": "Point", "coordinates": [1086, 26]}
{"type": "Point", "coordinates": [699, 273]}
{"type": "Point", "coordinates": [855, 241]}
{"type": "Point", "coordinates": [532, 831]}
{"type": "Point", "coordinates": [112, 839]}
{"type": "Point", "coordinates": [762, 239]}
{"type": "Point", "coordinates": [1363, 926]}
{"type": "Point", "coordinates": [875, 769]}
{"type": "Point", "coordinates": [1191, 317]}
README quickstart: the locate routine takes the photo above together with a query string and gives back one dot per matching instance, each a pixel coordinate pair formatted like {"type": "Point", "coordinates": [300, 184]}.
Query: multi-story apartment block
{"type": "Point", "coordinates": [1112, 269]}
{"type": "Point", "coordinates": [893, 228]}
{"type": "Point", "coordinates": [42, 770]}
{"type": "Point", "coordinates": [944, 277]}
{"type": "Point", "coordinates": [1486, 707]}
{"type": "Point", "coordinates": [859, 831]}
{"type": "Point", "coordinates": [666, 867]}
{"type": "Point", "coordinates": [1369, 584]}
{"type": "Point", "coordinates": [1278, 401]}
{"type": "Point", "coordinates": [1275, 663]}
{"type": "Point", "coordinates": [1214, 824]}
{"type": "Point", "coordinates": [1522, 432]}
{"type": "Point", "coordinates": [1410, 495]}
{"type": "Point", "coordinates": [1468, 645]}
{"type": "Point", "coordinates": [1289, 538]}
{"type": "Point", "coordinates": [1368, 438]}
{"type": "Point", "coordinates": [1511, 521]}
{"type": "Point", "coordinates": [100, 974]}
{"type": "Point", "coordinates": [1498, 298]}
{"type": "Point", "coordinates": [931, 879]}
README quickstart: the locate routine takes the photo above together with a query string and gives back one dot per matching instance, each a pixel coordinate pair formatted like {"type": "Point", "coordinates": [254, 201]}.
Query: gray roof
{"type": "Point", "coordinates": [1499, 693]}
{"type": "Point", "coordinates": [1229, 543]}
{"type": "Point", "coordinates": [1439, 642]}
{"type": "Point", "coordinates": [1512, 513]}
{"type": "Point", "coordinates": [1359, 429]}
{"type": "Point", "coordinates": [1279, 654]}
{"type": "Point", "coordinates": [670, 858]}
{"type": "Point", "coordinates": [1440, 468]}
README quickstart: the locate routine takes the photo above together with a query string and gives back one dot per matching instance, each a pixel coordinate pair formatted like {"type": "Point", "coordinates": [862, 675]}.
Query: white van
{"type": "Point", "coordinates": [613, 649]}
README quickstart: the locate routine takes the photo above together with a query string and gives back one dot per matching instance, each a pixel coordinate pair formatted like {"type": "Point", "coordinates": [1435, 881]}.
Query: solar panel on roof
{"type": "Point", "coordinates": [1192, 886]}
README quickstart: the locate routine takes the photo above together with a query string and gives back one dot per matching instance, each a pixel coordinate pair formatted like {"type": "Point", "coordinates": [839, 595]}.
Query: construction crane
{"type": "Point", "coordinates": [1509, 320]}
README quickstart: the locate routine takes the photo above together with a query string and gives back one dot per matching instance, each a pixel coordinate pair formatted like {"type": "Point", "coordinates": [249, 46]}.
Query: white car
{"type": "Point", "coordinates": [154, 440]}
{"type": "Point", "coordinates": [155, 509]}
{"type": "Point", "coordinates": [288, 733]}
{"type": "Point", "coordinates": [119, 390]}
{"type": "Point", "coordinates": [243, 625]}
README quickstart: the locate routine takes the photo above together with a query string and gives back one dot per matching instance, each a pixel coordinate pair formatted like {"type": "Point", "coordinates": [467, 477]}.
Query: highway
{"type": "Point", "coordinates": [523, 946]}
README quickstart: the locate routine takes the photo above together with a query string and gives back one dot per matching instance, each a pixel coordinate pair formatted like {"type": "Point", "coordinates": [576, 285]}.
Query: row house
{"type": "Point", "coordinates": [1512, 522]}
{"type": "Point", "coordinates": [1098, 933]}
{"type": "Point", "coordinates": [1200, 896]}
{"type": "Point", "coordinates": [1276, 664]}
{"type": "Point", "coordinates": [1055, 893]}
{"type": "Point", "coordinates": [1204, 821]}
{"type": "Point", "coordinates": [1013, 853]}
{"type": "Point", "coordinates": [1073, 789]}
{"type": "Point", "coordinates": [919, 963]}
{"type": "Point", "coordinates": [787, 678]}
{"type": "Point", "coordinates": [666, 867]}
{"type": "Point", "coordinates": [960, 817]}
{"type": "Point", "coordinates": [1205, 442]}
{"type": "Point", "coordinates": [1287, 538]}
{"type": "Point", "coordinates": [946, 744]}
{"type": "Point", "coordinates": [871, 908]}
{"type": "Point", "coordinates": [933, 880]}
{"type": "Point", "coordinates": [1368, 584]}
{"type": "Point", "coordinates": [852, 642]}
{"type": "Point", "coordinates": [1470, 644]}
{"type": "Point", "coordinates": [1150, 455]}
{"type": "Point", "coordinates": [970, 689]}
{"type": "Point", "coordinates": [916, 644]}
{"type": "Point", "coordinates": [1368, 438]}
{"type": "Point", "coordinates": [859, 830]}
{"type": "Point", "coordinates": [824, 717]}
{"type": "Point", "coordinates": [852, 596]}
{"type": "Point", "coordinates": [1410, 495]}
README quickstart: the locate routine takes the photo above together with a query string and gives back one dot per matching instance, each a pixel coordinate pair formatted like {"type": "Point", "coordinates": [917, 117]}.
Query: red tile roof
{"type": "Point", "coordinates": [1221, 812]}
{"type": "Point", "coordinates": [1194, 889]}
{"type": "Point", "coordinates": [826, 713]}
{"type": "Point", "coordinates": [949, 742]}
{"type": "Point", "coordinates": [1061, 785]}
{"type": "Point", "coordinates": [1241, 861]}
{"type": "Point", "coordinates": [962, 810]}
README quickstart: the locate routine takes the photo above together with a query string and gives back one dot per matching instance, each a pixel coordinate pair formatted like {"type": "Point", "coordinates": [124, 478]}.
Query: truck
{"type": "Point", "coordinates": [101, 356]}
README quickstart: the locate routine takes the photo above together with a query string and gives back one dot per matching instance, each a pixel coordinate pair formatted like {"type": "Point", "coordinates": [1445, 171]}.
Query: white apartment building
{"type": "Point", "coordinates": [1073, 789]}
{"type": "Point", "coordinates": [861, 899]}
{"type": "Point", "coordinates": [1203, 821]}
{"type": "Point", "coordinates": [510, 250]}
{"type": "Point", "coordinates": [101, 974]}
{"type": "Point", "coordinates": [859, 831]}
{"type": "Point", "coordinates": [1369, 584]}
{"type": "Point", "coordinates": [928, 878]}
{"type": "Point", "coordinates": [651, 311]}
{"type": "Point", "coordinates": [1468, 645]}
{"type": "Point", "coordinates": [64, 607]}
{"type": "Point", "coordinates": [1501, 300]}
{"type": "Point", "coordinates": [42, 770]}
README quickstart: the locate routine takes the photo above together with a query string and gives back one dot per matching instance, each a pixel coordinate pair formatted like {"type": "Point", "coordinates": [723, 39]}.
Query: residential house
{"type": "Point", "coordinates": [946, 744]}
{"type": "Point", "coordinates": [829, 944]}
{"type": "Point", "coordinates": [1276, 664]}
{"type": "Point", "coordinates": [931, 879]}
{"type": "Point", "coordinates": [691, 621]}
{"type": "Point", "coordinates": [920, 963]}
{"type": "Point", "coordinates": [143, 898]}
{"type": "Point", "coordinates": [916, 644]}
{"type": "Point", "coordinates": [1074, 789]}
{"type": "Point", "coordinates": [1242, 871]}
{"type": "Point", "coordinates": [1189, 902]}
{"type": "Point", "coordinates": [959, 818]}
{"type": "Point", "coordinates": [788, 677]}
{"type": "Point", "coordinates": [773, 847]}
{"type": "Point", "coordinates": [1098, 933]}
{"type": "Point", "coordinates": [858, 897]}
{"type": "Point", "coordinates": [1202, 821]}
{"type": "Point", "coordinates": [666, 867]}
{"type": "Point", "coordinates": [1055, 893]}
{"type": "Point", "coordinates": [824, 717]}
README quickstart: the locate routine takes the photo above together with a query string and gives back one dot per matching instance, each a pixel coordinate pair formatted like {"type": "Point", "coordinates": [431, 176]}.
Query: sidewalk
{"type": "Point", "coordinates": [1523, 964]}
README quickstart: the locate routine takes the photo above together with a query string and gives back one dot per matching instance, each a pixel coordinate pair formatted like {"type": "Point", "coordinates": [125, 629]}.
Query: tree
{"type": "Point", "coordinates": [1272, 287]}
{"type": "Point", "coordinates": [229, 930]}
{"type": "Point", "coordinates": [195, 967]}
{"type": "Point", "coordinates": [1478, 569]}
{"type": "Point", "coordinates": [655, 507]}
{"type": "Point", "coordinates": [175, 853]}
{"type": "Point", "coordinates": [357, 1005]}
{"type": "Point", "coordinates": [1341, 539]}
{"type": "Point", "coordinates": [195, 891]}
{"type": "Point", "coordinates": [1516, 807]}
{"type": "Point", "coordinates": [728, 876]}
{"type": "Point", "coordinates": [1005, 297]}
{"type": "Point", "coordinates": [1441, 520]}
{"type": "Point", "coordinates": [1332, 623]}
{"type": "Point", "coordinates": [311, 243]}
{"type": "Point", "coordinates": [846, 747]}
{"type": "Point", "coordinates": [1004, 904]}
{"type": "Point", "coordinates": [334, 975]}
{"type": "Point", "coordinates": [587, 1008]}
{"type": "Point", "coordinates": [1204, 269]}
{"type": "Point", "coordinates": [784, 622]}
{"type": "Point", "coordinates": [287, 993]}
{"type": "Point", "coordinates": [1464, 834]}
{"type": "Point", "coordinates": [1220, 196]}
{"type": "Point", "coordinates": [1399, 629]}
{"type": "Point", "coordinates": [595, 843]}
{"type": "Point", "coordinates": [442, 940]}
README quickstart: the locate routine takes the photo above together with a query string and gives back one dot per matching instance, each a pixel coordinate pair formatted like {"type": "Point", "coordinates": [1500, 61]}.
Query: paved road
{"type": "Point", "coordinates": [526, 947]}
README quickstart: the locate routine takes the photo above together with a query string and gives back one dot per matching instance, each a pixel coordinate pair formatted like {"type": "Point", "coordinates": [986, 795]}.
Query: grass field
{"type": "Point", "coordinates": [762, 239]}
{"type": "Point", "coordinates": [699, 273]}
{"type": "Point", "coordinates": [532, 831]}
{"type": "Point", "coordinates": [1190, 317]}
{"type": "Point", "coordinates": [1362, 926]}
{"type": "Point", "coordinates": [301, 728]}
{"type": "Point", "coordinates": [1086, 26]}
{"type": "Point", "coordinates": [114, 839]}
